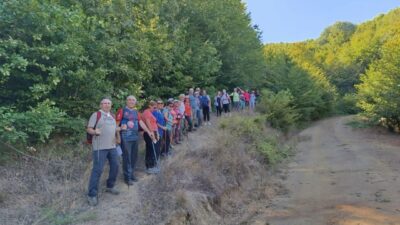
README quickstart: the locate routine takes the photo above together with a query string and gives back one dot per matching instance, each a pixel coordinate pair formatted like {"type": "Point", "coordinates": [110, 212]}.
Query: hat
{"type": "Point", "coordinates": [170, 101]}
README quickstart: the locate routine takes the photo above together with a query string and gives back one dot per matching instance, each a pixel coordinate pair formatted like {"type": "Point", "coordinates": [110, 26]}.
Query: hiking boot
{"type": "Point", "coordinates": [129, 182]}
{"type": "Point", "coordinates": [134, 179]}
{"type": "Point", "coordinates": [112, 190]}
{"type": "Point", "coordinates": [153, 170]}
{"type": "Point", "coordinates": [92, 201]}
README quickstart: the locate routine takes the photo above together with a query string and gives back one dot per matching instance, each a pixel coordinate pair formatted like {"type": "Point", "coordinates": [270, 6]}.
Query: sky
{"type": "Point", "coordinates": [299, 20]}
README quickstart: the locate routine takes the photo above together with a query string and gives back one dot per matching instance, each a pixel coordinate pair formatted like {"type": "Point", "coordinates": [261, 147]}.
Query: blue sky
{"type": "Point", "coordinates": [298, 20]}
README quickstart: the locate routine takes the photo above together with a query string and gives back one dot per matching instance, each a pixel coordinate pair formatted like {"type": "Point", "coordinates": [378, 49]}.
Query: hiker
{"type": "Point", "coordinates": [247, 97]}
{"type": "Point", "coordinates": [252, 100]}
{"type": "Point", "coordinates": [193, 106]}
{"type": "Point", "coordinates": [226, 100]}
{"type": "Point", "coordinates": [103, 127]}
{"type": "Point", "coordinates": [177, 122]}
{"type": "Point", "coordinates": [206, 106]}
{"type": "Point", "coordinates": [242, 103]}
{"type": "Point", "coordinates": [236, 99]}
{"type": "Point", "coordinates": [158, 114]}
{"type": "Point", "coordinates": [169, 122]}
{"type": "Point", "coordinates": [188, 113]}
{"type": "Point", "coordinates": [182, 113]}
{"type": "Point", "coordinates": [218, 103]}
{"type": "Point", "coordinates": [129, 119]}
{"type": "Point", "coordinates": [198, 109]}
{"type": "Point", "coordinates": [152, 139]}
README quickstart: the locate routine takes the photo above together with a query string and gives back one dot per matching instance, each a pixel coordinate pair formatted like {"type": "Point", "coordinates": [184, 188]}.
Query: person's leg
{"type": "Point", "coordinates": [207, 112]}
{"type": "Point", "coordinates": [167, 141]}
{"type": "Point", "coordinates": [194, 117]}
{"type": "Point", "coordinates": [177, 132]}
{"type": "Point", "coordinates": [99, 158]}
{"type": "Point", "coordinates": [149, 150]}
{"type": "Point", "coordinates": [134, 157]}
{"type": "Point", "coordinates": [112, 156]}
{"type": "Point", "coordinates": [126, 147]}
{"type": "Point", "coordinates": [189, 122]}
{"type": "Point", "coordinates": [183, 121]}
{"type": "Point", "coordinates": [199, 116]}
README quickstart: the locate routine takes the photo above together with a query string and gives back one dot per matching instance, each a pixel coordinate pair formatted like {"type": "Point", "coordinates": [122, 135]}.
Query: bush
{"type": "Point", "coordinates": [37, 124]}
{"type": "Point", "coordinates": [278, 109]}
{"type": "Point", "coordinates": [347, 104]}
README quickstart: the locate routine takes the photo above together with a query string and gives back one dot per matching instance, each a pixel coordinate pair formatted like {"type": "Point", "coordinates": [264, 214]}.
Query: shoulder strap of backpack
{"type": "Point", "coordinates": [98, 116]}
{"type": "Point", "coordinates": [118, 116]}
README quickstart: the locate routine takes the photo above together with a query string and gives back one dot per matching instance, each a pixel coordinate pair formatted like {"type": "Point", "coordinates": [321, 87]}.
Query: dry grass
{"type": "Point", "coordinates": [212, 180]}
{"type": "Point", "coordinates": [217, 177]}
{"type": "Point", "coordinates": [44, 192]}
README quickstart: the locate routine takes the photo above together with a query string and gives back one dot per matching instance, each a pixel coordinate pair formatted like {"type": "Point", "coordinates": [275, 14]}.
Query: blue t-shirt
{"type": "Point", "coordinates": [193, 103]}
{"type": "Point", "coordinates": [170, 121]}
{"type": "Point", "coordinates": [160, 120]}
{"type": "Point", "coordinates": [130, 118]}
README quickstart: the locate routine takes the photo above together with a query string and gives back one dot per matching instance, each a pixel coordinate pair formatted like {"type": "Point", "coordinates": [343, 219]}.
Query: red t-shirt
{"type": "Point", "coordinates": [246, 96]}
{"type": "Point", "coordinates": [147, 115]}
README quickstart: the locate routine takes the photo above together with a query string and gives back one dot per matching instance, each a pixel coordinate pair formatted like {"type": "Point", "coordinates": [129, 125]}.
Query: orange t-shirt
{"type": "Point", "coordinates": [188, 109]}
{"type": "Point", "coordinates": [147, 115]}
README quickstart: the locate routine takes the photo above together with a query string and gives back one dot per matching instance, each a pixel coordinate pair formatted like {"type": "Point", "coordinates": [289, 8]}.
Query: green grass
{"type": "Point", "coordinates": [253, 130]}
{"type": "Point", "coordinates": [359, 122]}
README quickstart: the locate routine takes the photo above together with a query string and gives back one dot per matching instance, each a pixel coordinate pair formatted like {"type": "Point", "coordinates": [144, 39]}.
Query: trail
{"type": "Point", "coordinates": [127, 208]}
{"type": "Point", "coordinates": [341, 176]}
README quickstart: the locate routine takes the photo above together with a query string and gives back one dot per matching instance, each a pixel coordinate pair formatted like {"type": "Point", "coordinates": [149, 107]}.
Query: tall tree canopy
{"type": "Point", "coordinates": [67, 54]}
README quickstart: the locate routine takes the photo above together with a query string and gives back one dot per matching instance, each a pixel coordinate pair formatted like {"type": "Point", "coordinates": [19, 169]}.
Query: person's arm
{"type": "Point", "coordinates": [92, 131]}
{"type": "Point", "coordinates": [92, 123]}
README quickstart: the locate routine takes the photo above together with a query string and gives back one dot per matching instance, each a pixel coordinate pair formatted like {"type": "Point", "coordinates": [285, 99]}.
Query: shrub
{"type": "Point", "coordinates": [347, 104]}
{"type": "Point", "coordinates": [37, 124]}
{"type": "Point", "coordinates": [278, 109]}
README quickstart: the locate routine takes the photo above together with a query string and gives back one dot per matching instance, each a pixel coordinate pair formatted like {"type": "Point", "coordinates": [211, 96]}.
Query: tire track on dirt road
{"type": "Point", "coordinates": [341, 175]}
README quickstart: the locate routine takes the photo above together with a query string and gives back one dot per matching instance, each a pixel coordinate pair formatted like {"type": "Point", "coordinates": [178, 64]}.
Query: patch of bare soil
{"type": "Point", "coordinates": [341, 175]}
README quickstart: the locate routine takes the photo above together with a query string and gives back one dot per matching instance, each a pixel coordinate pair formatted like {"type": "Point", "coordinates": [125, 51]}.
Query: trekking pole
{"type": "Point", "coordinates": [155, 156]}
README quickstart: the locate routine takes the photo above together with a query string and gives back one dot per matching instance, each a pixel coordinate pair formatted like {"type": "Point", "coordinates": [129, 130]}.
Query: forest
{"type": "Point", "coordinates": [349, 69]}
{"type": "Point", "coordinates": [58, 58]}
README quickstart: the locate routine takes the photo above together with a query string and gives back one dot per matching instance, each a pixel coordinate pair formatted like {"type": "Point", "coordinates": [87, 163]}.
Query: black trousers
{"type": "Point", "coordinates": [206, 113]}
{"type": "Point", "coordinates": [152, 151]}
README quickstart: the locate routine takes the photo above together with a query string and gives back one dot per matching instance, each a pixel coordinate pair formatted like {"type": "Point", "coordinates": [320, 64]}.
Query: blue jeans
{"type": "Point", "coordinates": [199, 116]}
{"type": "Point", "coordinates": [129, 158]}
{"type": "Point", "coordinates": [99, 159]}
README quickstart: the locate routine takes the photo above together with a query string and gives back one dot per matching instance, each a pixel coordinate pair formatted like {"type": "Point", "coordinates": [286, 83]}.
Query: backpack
{"type": "Point", "coordinates": [89, 137]}
{"type": "Point", "coordinates": [204, 101]}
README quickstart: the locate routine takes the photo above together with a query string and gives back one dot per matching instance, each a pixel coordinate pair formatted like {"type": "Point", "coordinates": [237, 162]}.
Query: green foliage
{"type": "Point", "coordinates": [278, 109]}
{"type": "Point", "coordinates": [313, 96]}
{"type": "Point", "coordinates": [379, 90]}
{"type": "Point", "coordinates": [253, 130]}
{"type": "Point", "coordinates": [347, 104]}
{"type": "Point", "coordinates": [72, 53]}
{"type": "Point", "coordinates": [37, 124]}
{"type": "Point", "coordinates": [352, 68]}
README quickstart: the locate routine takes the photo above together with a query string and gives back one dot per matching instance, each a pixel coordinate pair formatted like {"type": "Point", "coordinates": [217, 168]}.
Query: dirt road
{"type": "Point", "coordinates": [341, 175]}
